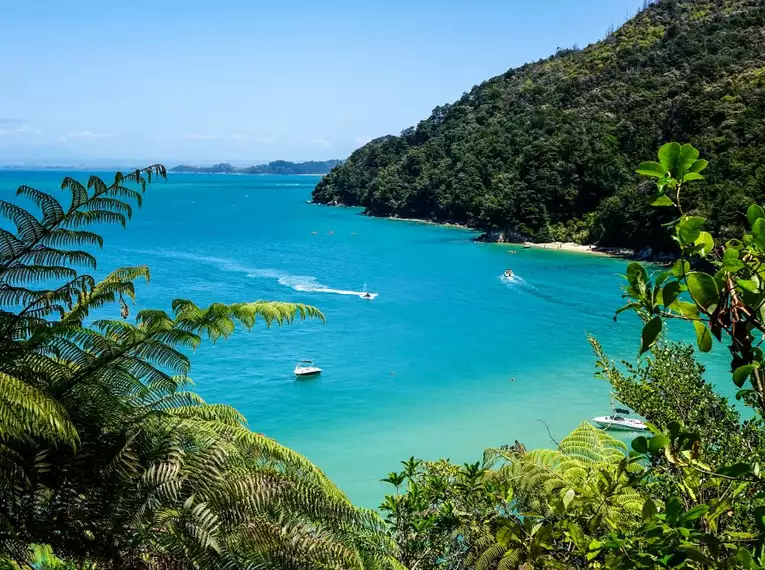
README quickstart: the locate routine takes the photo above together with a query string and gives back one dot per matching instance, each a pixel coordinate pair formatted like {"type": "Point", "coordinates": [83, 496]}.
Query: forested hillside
{"type": "Point", "coordinates": [547, 151]}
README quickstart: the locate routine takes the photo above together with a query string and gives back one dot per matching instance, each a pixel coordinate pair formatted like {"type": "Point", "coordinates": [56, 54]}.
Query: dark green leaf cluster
{"type": "Point", "coordinates": [545, 151]}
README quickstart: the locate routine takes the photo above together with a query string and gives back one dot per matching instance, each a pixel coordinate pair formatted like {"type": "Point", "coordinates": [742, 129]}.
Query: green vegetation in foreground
{"type": "Point", "coordinates": [108, 462]}
{"type": "Point", "coordinates": [106, 457]}
{"type": "Point", "coordinates": [275, 167]}
{"type": "Point", "coordinates": [545, 151]}
{"type": "Point", "coordinates": [691, 495]}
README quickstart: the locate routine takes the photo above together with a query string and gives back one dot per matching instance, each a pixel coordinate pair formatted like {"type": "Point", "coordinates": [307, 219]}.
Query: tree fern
{"type": "Point", "coordinates": [105, 455]}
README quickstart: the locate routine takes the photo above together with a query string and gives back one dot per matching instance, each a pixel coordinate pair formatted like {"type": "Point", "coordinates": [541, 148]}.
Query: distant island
{"type": "Point", "coordinates": [275, 167]}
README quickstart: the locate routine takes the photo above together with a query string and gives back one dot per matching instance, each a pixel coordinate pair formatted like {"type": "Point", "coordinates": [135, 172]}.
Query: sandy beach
{"type": "Point", "coordinates": [578, 248]}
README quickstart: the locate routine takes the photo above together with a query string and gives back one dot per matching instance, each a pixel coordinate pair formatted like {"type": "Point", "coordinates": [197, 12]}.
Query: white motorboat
{"type": "Point", "coordinates": [509, 273]}
{"type": "Point", "coordinates": [306, 368]}
{"type": "Point", "coordinates": [619, 421]}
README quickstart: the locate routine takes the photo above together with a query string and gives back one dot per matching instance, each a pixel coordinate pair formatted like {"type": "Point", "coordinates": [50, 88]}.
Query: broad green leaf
{"type": "Point", "coordinates": [741, 374]}
{"type": "Point", "coordinates": [736, 470]}
{"type": "Point", "coordinates": [745, 559]}
{"type": "Point", "coordinates": [649, 510]}
{"type": "Point", "coordinates": [668, 155]}
{"type": "Point", "coordinates": [706, 243]}
{"type": "Point", "coordinates": [730, 253]}
{"type": "Point", "coordinates": [504, 535]}
{"type": "Point", "coordinates": [670, 292]}
{"type": "Point", "coordinates": [732, 265]}
{"type": "Point", "coordinates": [651, 332]}
{"type": "Point", "coordinates": [691, 176]}
{"type": "Point", "coordinates": [699, 165]}
{"type": "Point", "coordinates": [626, 307]}
{"type": "Point", "coordinates": [754, 213]}
{"type": "Point", "coordinates": [703, 336]}
{"type": "Point", "coordinates": [688, 228]}
{"type": "Point", "coordinates": [657, 443]}
{"type": "Point", "coordinates": [703, 289]}
{"type": "Point", "coordinates": [651, 168]}
{"type": "Point", "coordinates": [688, 155]}
{"type": "Point", "coordinates": [747, 285]}
{"type": "Point", "coordinates": [640, 444]}
{"type": "Point", "coordinates": [758, 232]}
{"type": "Point", "coordinates": [680, 268]}
{"type": "Point", "coordinates": [635, 272]}
{"type": "Point", "coordinates": [660, 200]}
{"type": "Point", "coordinates": [686, 309]}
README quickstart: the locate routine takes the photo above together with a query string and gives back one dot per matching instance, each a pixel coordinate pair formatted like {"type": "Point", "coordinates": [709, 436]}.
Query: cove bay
{"type": "Point", "coordinates": [425, 369]}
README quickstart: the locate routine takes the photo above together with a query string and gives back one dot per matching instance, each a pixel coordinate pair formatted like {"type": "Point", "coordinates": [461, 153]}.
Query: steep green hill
{"type": "Point", "coordinates": [547, 151]}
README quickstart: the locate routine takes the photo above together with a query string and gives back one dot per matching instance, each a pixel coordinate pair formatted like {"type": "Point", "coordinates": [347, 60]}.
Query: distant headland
{"type": "Point", "coordinates": [275, 167]}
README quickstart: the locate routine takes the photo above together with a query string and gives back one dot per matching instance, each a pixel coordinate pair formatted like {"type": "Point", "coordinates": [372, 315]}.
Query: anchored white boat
{"type": "Point", "coordinates": [620, 421]}
{"type": "Point", "coordinates": [306, 368]}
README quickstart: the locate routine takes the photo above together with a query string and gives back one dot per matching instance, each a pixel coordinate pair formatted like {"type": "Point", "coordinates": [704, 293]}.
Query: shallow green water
{"type": "Point", "coordinates": [424, 369]}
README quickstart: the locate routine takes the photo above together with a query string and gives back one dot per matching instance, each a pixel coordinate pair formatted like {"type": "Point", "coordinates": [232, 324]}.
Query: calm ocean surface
{"type": "Point", "coordinates": [424, 369]}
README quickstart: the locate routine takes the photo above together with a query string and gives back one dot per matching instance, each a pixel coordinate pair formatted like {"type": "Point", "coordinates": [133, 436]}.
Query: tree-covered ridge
{"type": "Point", "coordinates": [546, 151]}
{"type": "Point", "coordinates": [274, 167]}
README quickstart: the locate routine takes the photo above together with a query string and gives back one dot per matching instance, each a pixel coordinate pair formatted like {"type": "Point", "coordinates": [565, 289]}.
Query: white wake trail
{"type": "Point", "coordinates": [301, 283]}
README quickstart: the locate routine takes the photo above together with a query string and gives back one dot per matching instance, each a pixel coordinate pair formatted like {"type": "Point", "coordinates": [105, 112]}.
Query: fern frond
{"type": "Point", "coordinates": [26, 411]}
{"type": "Point", "coordinates": [29, 228]}
{"type": "Point", "coordinates": [51, 208]}
{"type": "Point", "coordinates": [79, 192]}
{"type": "Point", "coordinates": [62, 237]}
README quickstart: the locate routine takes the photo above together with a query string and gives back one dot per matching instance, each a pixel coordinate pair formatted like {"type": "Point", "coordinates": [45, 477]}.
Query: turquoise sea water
{"type": "Point", "coordinates": [424, 369]}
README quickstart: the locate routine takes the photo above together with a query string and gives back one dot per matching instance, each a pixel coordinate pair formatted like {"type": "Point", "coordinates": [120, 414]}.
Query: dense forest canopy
{"type": "Point", "coordinates": [547, 151]}
{"type": "Point", "coordinates": [275, 167]}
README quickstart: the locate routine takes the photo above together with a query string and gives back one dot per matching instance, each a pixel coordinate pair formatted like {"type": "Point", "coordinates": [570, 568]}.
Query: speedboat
{"type": "Point", "coordinates": [366, 296]}
{"type": "Point", "coordinates": [509, 273]}
{"type": "Point", "coordinates": [619, 421]}
{"type": "Point", "coordinates": [306, 368]}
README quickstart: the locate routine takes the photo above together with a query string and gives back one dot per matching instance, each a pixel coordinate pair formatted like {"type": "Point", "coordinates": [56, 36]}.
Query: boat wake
{"type": "Point", "coordinates": [301, 283]}
{"type": "Point", "coordinates": [514, 281]}
{"type": "Point", "coordinates": [307, 284]}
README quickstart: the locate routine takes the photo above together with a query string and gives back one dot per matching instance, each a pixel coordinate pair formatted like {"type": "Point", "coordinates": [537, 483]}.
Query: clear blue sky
{"type": "Point", "coordinates": [256, 80]}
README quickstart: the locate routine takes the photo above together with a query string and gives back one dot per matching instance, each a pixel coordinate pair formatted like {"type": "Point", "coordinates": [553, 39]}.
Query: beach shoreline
{"type": "Point", "coordinates": [579, 248]}
{"type": "Point", "coordinates": [570, 247]}
{"type": "Point", "coordinates": [493, 237]}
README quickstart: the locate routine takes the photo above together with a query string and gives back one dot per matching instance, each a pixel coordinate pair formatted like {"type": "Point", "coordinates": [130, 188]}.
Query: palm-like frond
{"type": "Point", "coordinates": [583, 461]}
{"type": "Point", "coordinates": [104, 452]}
